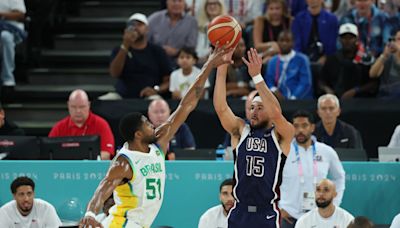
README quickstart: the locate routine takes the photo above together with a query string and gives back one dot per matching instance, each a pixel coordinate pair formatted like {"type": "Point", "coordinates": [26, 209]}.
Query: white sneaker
{"type": "Point", "coordinates": [9, 83]}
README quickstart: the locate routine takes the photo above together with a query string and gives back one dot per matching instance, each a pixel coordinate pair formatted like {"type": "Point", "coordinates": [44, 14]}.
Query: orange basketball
{"type": "Point", "coordinates": [224, 29]}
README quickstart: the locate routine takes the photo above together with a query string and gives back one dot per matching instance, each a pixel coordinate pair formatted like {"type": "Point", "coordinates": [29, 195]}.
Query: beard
{"type": "Point", "coordinates": [323, 204]}
{"type": "Point", "coordinates": [150, 139]}
{"type": "Point", "coordinates": [302, 140]}
{"type": "Point", "coordinates": [226, 208]}
{"type": "Point", "coordinates": [262, 124]}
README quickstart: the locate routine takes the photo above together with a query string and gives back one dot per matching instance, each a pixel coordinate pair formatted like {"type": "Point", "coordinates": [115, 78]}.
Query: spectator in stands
{"type": "Point", "coordinates": [288, 74]}
{"type": "Point", "coordinates": [8, 127]}
{"type": "Point", "coordinates": [184, 77]}
{"type": "Point", "coordinates": [11, 33]}
{"type": "Point", "coordinates": [396, 222]}
{"type": "Point", "coordinates": [25, 210]}
{"type": "Point", "coordinates": [315, 31]}
{"type": "Point", "coordinates": [81, 121]}
{"type": "Point", "coordinates": [361, 222]}
{"type": "Point", "coordinates": [315, 160]}
{"type": "Point", "coordinates": [296, 6]}
{"type": "Point", "coordinates": [209, 10]}
{"type": "Point", "coordinates": [159, 112]}
{"type": "Point", "coordinates": [387, 68]}
{"type": "Point", "coordinates": [173, 28]}
{"type": "Point", "coordinates": [345, 74]}
{"type": "Point", "coordinates": [395, 140]}
{"type": "Point", "coordinates": [333, 131]}
{"type": "Point", "coordinates": [217, 215]}
{"type": "Point", "coordinates": [237, 79]}
{"type": "Point", "coordinates": [374, 31]}
{"type": "Point", "coordinates": [142, 68]}
{"type": "Point", "coordinates": [267, 28]}
{"type": "Point", "coordinates": [327, 214]}
{"type": "Point", "coordinates": [244, 11]}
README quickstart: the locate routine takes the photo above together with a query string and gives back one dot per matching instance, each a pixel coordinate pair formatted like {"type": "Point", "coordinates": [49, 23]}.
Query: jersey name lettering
{"type": "Point", "coordinates": [256, 144]}
{"type": "Point", "coordinates": [152, 168]}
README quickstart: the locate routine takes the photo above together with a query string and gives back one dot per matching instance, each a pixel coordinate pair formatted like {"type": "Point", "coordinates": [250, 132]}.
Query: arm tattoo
{"type": "Point", "coordinates": [198, 91]}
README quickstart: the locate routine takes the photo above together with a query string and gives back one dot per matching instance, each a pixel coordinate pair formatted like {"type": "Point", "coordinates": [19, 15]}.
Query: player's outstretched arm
{"type": "Point", "coordinates": [119, 171]}
{"type": "Point", "coordinates": [284, 128]}
{"type": "Point", "coordinates": [229, 121]}
{"type": "Point", "coordinates": [189, 102]}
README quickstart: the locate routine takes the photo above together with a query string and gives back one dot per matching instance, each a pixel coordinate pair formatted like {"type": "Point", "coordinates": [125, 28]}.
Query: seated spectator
{"type": "Point", "coordinates": [298, 188]}
{"type": "Point", "coordinates": [210, 9]}
{"type": "Point", "coordinates": [173, 28]}
{"type": "Point", "coordinates": [395, 140]}
{"type": "Point", "coordinates": [244, 11]}
{"type": "Point", "coordinates": [395, 222]}
{"type": "Point", "coordinates": [25, 210]}
{"type": "Point", "coordinates": [184, 77]}
{"type": "Point", "coordinates": [296, 6]}
{"type": "Point", "coordinates": [387, 68]}
{"type": "Point", "coordinates": [288, 74]}
{"type": "Point", "coordinates": [158, 113]}
{"type": "Point", "coordinates": [81, 121]}
{"type": "Point", "coordinates": [11, 32]}
{"type": "Point", "coordinates": [267, 28]}
{"type": "Point", "coordinates": [333, 131]}
{"type": "Point", "coordinates": [315, 31]}
{"type": "Point", "coordinates": [217, 215]}
{"type": "Point", "coordinates": [8, 127]}
{"type": "Point", "coordinates": [142, 68]}
{"type": "Point", "coordinates": [374, 31]}
{"type": "Point", "coordinates": [361, 222]}
{"type": "Point", "coordinates": [326, 214]}
{"type": "Point", "coordinates": [344, 73]}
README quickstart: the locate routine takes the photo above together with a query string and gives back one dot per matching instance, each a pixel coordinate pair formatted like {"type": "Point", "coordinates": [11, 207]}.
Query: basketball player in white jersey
{"type": "Point", "coordinates": [137, 173]}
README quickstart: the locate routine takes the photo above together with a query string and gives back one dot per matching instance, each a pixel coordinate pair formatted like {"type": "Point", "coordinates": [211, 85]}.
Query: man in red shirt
{"type": "Point", "coordinates": [81, 121]}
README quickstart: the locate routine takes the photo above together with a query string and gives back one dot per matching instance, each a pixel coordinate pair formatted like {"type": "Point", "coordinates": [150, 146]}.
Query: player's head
{"type": "Point", "coordinates": [225, 194]}
{"type": "Point", "coordinates": [258, 115]}
{"type": "Point", "coordinates": [285, 41]}
{"type": "Point", "coordinates": [325, 192]}
{"type": "Point", "coordinates": [249, 100]}
{"type": "Point", "coordinates": [78, 106]}
{"type": "Point", "coordinates": [303, 122]}
{"type": "Point", "coordinates": [360, 222]}
{"type": "Point", "coordinates": [328, 108]}
{"type": "Point", "coordinates": [23, 190]}
{"type": "Point", "coordinates": [187, 57]}
{"type": "Point", "coordinates": [240, 50]}
{"type": "Point", "coordinates": [135, 126]}
{"type": "Point", "coordinates": [158, 112]}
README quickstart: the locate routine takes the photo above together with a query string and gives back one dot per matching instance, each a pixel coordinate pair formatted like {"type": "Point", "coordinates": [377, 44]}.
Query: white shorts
{"type": "Point", "coordinates": [130, 224]}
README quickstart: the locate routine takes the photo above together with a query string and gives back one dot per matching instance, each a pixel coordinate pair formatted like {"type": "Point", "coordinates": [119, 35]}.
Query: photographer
{"type": "Point", "coordinates": [387, 68]}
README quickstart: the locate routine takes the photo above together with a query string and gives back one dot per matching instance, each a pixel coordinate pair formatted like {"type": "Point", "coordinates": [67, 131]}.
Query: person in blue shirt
{"type": "Point", "coordinates": [288, 74]}
{"type": "Point", "coordinates": [373, 26]}
{"type": "Point", "coordinates": [315, 31]}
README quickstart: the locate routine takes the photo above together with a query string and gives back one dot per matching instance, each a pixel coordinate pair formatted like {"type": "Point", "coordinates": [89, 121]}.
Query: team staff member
{"type": "Point", "coordinates": [308, 162]}
{"type": "Point", "coordinates": [81, 121]}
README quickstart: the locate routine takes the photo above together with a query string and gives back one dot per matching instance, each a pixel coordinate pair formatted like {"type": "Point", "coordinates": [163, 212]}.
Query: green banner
{"type": "Point", "coordinates": [192, 187]}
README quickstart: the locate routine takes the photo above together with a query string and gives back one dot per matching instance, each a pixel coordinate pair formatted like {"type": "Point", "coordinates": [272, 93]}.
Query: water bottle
{"type": "Point", "coordinates": [219, 152]}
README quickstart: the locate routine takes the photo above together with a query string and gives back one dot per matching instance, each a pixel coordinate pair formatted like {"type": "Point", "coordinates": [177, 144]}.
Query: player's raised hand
{"type": "Point", "coordinates": [89, 221]}
{"type": "Point", "coordinates": [220, 55]}
{"type": "Point", "coordinates": [254, 63]}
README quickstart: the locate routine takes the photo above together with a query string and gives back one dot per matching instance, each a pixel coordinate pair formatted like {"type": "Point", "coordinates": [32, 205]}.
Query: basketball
{"type": "Point", "coordinates": [225, 30]}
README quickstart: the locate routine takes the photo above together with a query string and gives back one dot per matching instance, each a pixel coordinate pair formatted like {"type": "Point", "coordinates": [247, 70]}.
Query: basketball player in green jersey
{"type": "Point", "coordinates": [137, 174]}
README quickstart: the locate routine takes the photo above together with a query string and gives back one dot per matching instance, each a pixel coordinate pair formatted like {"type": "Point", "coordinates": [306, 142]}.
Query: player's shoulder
{"type": "Point", "coordinates": [8, 206]}
{"type": "Point", "coordinates": [324, 148]}
{"type": "Point", "coordinates": [344, 214]}
{"type": "Point", "coordinates": [213, 211]}
{"type": "Point", "coordinates": [305, 219]}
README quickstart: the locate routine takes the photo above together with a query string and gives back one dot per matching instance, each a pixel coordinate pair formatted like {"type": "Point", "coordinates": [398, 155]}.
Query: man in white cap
{"type": "Point", "coordinates": [346, 74]}
{"type": "Point", "coordinates": [142, 68]}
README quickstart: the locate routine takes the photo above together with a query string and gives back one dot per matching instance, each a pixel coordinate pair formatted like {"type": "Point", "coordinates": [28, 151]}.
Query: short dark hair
{"type": "Point", "coordinates": [360, 222]}
{"type": "Point", "coordinates": [129, 124]}
{"type": "Point", "coordinates": [190, 51]}
{"type": "Point", "coordinates": [226, 182]}
{"type": "Point", "coordinates": [303, 113]}
{"type": "Point", "coordinates": [21, 181]}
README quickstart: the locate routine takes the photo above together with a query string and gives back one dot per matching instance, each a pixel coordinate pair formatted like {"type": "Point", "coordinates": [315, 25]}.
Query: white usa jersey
{"type": "Point", "coordinates": [138, 201]}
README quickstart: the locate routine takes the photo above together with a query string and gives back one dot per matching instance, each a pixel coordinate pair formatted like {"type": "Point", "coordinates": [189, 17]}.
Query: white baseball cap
{"type": "Point", "coordinates": [348, 28]}
{"type": "Point", "coordinates": [139, 17]}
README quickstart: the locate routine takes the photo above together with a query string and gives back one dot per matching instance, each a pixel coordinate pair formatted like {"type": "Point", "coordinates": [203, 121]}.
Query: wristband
{"type": "Point", "coordinates": [90, 214]}
{"type": "Point", "coordinates": [126, 50]}
{"type": "Point", "coordinates": [257, 79]}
